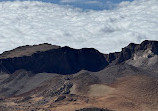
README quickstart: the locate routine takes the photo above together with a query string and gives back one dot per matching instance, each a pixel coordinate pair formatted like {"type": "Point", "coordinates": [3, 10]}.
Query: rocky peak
{"type": "Point", "coordinates": [153, 45]}
{"type": "Point", "coordinates": [129, 51]}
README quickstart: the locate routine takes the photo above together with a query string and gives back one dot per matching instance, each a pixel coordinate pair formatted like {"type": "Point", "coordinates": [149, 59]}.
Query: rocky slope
{"type": "Point", "coordinates": [46, 77]}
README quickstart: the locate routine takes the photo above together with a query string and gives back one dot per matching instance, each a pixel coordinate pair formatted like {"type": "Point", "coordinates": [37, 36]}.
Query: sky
{"type": "Point", "coordinates": [83, 4]}
{"type": "Point", "coordinates": [105, 25]}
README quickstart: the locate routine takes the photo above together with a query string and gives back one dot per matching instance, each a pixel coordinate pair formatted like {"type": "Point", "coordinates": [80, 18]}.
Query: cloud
{"type": "Point", "coordinates": [23, 23]}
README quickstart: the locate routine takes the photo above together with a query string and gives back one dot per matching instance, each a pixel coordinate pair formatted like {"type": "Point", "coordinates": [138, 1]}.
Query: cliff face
{"type": "Point", "coordinates": [65, 60]}
{"type": "Point", "coordinates": [129, 51]}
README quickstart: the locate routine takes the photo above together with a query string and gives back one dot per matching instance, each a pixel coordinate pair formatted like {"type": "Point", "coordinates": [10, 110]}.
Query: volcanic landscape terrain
{"type": "Point", "coordinates": [46, 77]}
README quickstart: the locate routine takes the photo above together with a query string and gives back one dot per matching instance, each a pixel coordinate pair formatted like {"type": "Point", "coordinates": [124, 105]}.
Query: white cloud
{"type": "Point", "coordinates": [24, 23]}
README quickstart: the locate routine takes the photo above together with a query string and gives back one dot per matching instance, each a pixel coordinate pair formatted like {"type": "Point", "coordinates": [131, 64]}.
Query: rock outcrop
{"type": "Point", "coordinates": [64, 60]}
{"type": "Point", "coordinates": [129, 51]}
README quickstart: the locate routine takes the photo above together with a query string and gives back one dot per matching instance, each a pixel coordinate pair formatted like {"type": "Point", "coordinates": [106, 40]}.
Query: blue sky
{"type": "Point", "coordinates": [94, 4]}
{"type": "Point", "coordinates": [84, 4]}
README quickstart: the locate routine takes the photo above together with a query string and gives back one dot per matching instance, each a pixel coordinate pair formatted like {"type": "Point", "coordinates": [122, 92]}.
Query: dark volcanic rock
{"type": "Point", "coordinates": [93, 109]}
{"type": "Point", "coordinates": [63, 60]}
{"type": "Point", "coordinates": [60, 98]}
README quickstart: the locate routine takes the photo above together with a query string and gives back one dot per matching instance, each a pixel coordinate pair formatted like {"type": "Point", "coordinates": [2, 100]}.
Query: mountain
{"type": "Point", "coordinates": [52, 59]}
{"type": "Point", "coordinates": [53, 78]}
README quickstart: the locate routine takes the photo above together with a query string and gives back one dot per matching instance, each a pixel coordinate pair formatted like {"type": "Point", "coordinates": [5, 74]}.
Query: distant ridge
{"type": "Point", "coordinates": [65, 60]}
{"type": "Point", "coordinates": [61, 60]}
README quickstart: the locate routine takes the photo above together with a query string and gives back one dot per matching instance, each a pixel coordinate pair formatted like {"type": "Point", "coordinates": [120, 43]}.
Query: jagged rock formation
{"type": "Point", "coordinates": [129, 51]}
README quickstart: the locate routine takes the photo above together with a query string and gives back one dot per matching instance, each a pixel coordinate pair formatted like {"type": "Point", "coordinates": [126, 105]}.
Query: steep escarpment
{"type": "Point", "coordinates": [63, 60]}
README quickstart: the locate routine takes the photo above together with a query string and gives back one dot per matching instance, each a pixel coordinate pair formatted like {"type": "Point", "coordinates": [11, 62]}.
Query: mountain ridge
{"type": "Point", "coordinates": [71, 60]}
{"type": "Point", "coordinates": [53, 78]}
